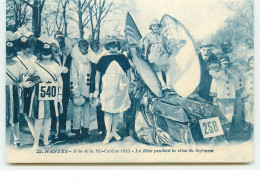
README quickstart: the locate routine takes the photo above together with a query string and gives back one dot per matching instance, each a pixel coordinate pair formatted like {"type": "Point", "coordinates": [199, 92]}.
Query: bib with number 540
{"type": "Point", "coordinates": [211, 127]}
{"type": "Point", "coordinates": [48, 91]}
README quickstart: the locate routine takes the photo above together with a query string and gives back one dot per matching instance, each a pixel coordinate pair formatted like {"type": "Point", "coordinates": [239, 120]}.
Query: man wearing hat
{"type": "Point", "coordinates": [206, 58]}
{"type": "Point", "coordinates": [64, 60]}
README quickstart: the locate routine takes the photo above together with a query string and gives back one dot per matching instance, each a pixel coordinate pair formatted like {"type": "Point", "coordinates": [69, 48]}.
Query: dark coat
{"type": "Point", "coordinates": [206, 78]}
{"type": "Point", "coordinates": [65, 76]}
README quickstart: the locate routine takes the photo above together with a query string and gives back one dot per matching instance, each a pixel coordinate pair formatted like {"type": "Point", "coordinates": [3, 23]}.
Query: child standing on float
{"type": "Point", "coordinates": [113, 71]}
{"type": "Point", "coordinates": [155, 51]}
{"type": "Point", "coordinates": [28, 62]}
{"type": "Point", "coordinates": [14, 84]}
{"type": "Point", "coordinates": [43, 110]}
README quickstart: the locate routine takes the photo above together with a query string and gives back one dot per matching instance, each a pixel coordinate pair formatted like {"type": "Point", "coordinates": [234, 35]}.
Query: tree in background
{"type": "Point", "coordinates": [244, 15]}
{"type": "Point", "coordinates": [54, 17]}
{"type": "Point", "coordinates": [90, 15]}
{"type": "Point", "coordinates": [80, 8]}
{"type": "Point", "coordinates": [64, 5]}
{"type": "Point", "coordinates": [238, 27]}
{"type": "Point", "coordinates": [36, 6]}
{"type": "Point", "coordinates": [17, 14]}
{"type": "Point", "coordinates": [49, 13]}
{"type": "Point", "coordinates": [98, 10]}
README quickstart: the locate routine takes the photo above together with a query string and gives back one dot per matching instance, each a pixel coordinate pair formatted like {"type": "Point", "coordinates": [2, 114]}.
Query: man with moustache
{"type": "Point", "coordinates": [206, 58]}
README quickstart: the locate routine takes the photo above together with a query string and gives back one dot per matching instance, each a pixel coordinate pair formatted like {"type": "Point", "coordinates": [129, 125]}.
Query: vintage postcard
{"type": "Point", "coordinates": [133, 81]}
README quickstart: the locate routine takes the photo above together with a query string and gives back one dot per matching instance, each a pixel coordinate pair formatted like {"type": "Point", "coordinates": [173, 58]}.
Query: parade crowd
{"type": "Point", "coordinates": [54, 83]}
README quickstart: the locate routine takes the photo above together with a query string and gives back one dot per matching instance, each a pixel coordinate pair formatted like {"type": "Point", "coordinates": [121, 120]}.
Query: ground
{"type": "Point", "coordinates": [236, 134]}
{"type": "Point", "coordinates": [27, 139]}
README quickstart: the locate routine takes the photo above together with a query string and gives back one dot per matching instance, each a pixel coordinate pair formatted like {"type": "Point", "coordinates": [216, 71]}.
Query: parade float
{"type": "Point", "coordinates": [176, 115]}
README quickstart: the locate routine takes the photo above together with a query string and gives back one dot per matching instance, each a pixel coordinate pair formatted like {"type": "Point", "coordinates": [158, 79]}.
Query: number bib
{"type": "Point", "coordinates": [48, 91]}
{"type": "Point", "coordinates": [211, 127]}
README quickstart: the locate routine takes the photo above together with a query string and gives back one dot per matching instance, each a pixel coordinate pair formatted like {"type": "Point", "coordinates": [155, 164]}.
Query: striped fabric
{"type": "Point", "coordinates": [143, 67]}
{"type": "Point", "coordinates": [40, 109]}
{"type": "Point", "coordinates": [12, 104]}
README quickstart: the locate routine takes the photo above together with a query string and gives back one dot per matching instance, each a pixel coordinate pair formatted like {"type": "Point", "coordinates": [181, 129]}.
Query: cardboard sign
{"type": "Point", "coordinates": [211, 127]}
{"type": "Point", "coordinates": [48, 91]}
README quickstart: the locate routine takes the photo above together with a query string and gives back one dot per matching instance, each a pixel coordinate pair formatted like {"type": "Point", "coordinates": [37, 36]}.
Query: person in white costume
{"type": "Point", "coordinates": [224, 86]}
{"type": "Point", "coordinates": [14, 85]}
{"type": "Point", "coordinates": [82, 87]}
{"type": "Point", "coordinates": [47, 95]}
{"type": "Point", "coordinates": [113, 71]}
{"type": "Point", "coordinates": [28, 62]}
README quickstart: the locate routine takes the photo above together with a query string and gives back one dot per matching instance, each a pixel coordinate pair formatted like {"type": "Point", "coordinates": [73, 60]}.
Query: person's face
{"type": "Point", "coordinates": [226, 47]}
{"type": "Point", "coordinates": [113, 47]}
{"type": "Point", "coordinates": [205, 52]}
{"type": "Point", "coordinates": [155, 28]}
{"type": "Point", "coordinates": [250, 44]}
{"type": "Point", "coordinates": [251, 64]}
{"type": "Point", "coordinates": [95, 47]}
{"type": "Point", "coordinates": [83, 49]}
{"type": "Point", "coordinates": [61, 41]}
{"type": "Point", "coordinates": [224, 63]}
{"type": "Point", "coordinates": [26, 51]}
{"type": "Point", "coordinates": [55, 48]}
{"type": "Point", "coordinates": [46, 56]}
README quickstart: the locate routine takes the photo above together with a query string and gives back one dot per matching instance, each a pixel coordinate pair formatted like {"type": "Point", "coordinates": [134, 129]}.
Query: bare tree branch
{"type": "Point", "coordinates": [42, 4]}
{"type": "Point", "coordinates": [29, 4]}
{"type": "Point", "coordinates": [73, 19]}
{"type": "Point", "coordinates": [86, 6]}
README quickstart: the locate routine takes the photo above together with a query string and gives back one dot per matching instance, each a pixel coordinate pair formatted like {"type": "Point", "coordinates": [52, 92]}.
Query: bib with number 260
{"type": "Point", "coordinates": [211, 127]}
{"type": "Point", "coordinates": [48, 91]}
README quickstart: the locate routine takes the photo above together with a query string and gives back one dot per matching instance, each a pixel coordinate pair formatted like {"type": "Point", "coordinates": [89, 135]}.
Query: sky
{"type": "Point", "coordinates": [200, 17]}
